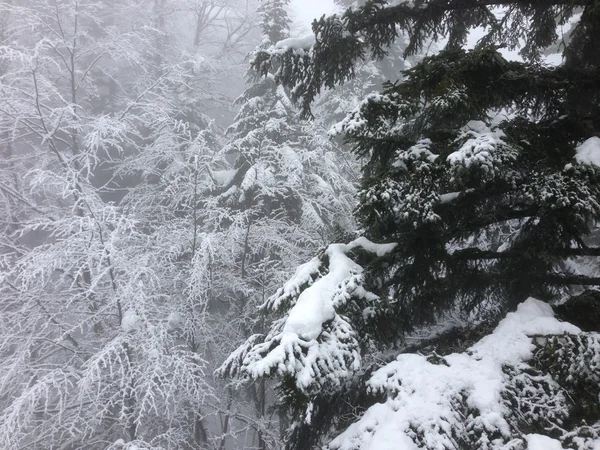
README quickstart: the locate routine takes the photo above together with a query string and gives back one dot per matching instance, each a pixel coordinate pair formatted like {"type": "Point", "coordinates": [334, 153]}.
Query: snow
{"type": "Point", "coordinates": [449, 197]}
{"type": "Point", "coordinates": [589, 152]}
{"type": "Point", "coordinates": [314, 344]}
{"type": "Point", "coordinates": [420, 151]}
{"type": "Point", "coordinates": [408, 3]}
{"type": "Point", "coordinates": [379, 249]}
{"type": "Point", "coordinates": [284, 99]}
{"type": "Point", "coordinates": [387, 438]}
{"type": "Point", "coordinates": [304, 275]}
{"type": "Point", "coordinates": [130, 321]}
{"type": "Point", "coordinates": [539, 442]}
{"type": "Point", "coordinates": [510, 342]}
{"type": "Point", "coordinates": [174, 320]}
{"type": "Point", "coordinates": [422, 394]}
{"type": "Point", "coordinates": [479, 146]}
{"type": "Point", "coordinates": [223, 177]}
{"type": "Point", "coordinates": [249, 179]}
{"type": "Point", "coordinates": [355, 120]}
{"type": "Point", "coordinates": [315, 304]}
{"type": "Point", "coordinates": [106, 131]}
{"type": "Point", "coordinates": [303, 43]}
{"type": "Point", "coordinates": [503, 247]}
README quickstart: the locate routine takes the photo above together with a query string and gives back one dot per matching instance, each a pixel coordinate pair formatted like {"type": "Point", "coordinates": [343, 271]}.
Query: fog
{"type": "Point", "coordinates": [308, 10]}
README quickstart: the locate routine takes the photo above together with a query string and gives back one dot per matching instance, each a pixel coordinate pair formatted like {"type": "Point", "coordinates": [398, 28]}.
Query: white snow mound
{"type": "Point", "coordinates": [303, 43]}
{"type": "Point", "coordinates": [589, 152]}
{"type": "Point", "coordinates": [539, 442]}
{"type": "Point", "coordinates": [315, 305]}
{"type": "Point", "coordinates": [422, 393]}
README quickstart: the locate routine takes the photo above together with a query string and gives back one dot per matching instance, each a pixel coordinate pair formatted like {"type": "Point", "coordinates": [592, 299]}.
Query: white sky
{"type": "Point", "coordinates": [307, 10]}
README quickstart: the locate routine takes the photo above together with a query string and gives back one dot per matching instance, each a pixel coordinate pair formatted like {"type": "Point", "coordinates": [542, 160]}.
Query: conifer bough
{"type": "Point", "coordinates": [468, 152]}
{"type": "Point", "coordinates": [484, 174]}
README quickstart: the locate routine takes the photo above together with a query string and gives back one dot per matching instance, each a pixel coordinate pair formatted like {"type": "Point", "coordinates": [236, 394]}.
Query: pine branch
{"type": "Point", "coordinates": [399, 13]}
{"type": "Point", "coordinates": [478, 254]}
{"type": "Point", "coordinates": [564, 279]}
{"type": "Point", "coordinates": [494, 218]}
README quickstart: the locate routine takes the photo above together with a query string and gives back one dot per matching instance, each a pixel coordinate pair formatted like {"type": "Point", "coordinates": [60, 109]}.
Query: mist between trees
{"type": "Point", "coordinates": [217, 235]}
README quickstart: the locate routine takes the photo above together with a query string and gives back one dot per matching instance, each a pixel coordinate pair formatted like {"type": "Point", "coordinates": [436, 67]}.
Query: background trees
{"type": "Point", "coordinates": [287, 194]}
{"type": "Point", "coordinates": [89, 356]}
{"type": "Point", "coordinates": [95, 349]}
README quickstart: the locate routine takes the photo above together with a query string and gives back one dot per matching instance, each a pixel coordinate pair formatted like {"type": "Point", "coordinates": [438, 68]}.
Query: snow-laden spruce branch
{"type": "Point", "coordinates": [314, 344]}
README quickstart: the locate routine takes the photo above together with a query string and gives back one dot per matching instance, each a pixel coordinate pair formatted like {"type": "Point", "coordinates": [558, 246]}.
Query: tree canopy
{"type": "Point", "coordinates": [481, 172]}
{"type": "Point", "coordinates": [466, 144]}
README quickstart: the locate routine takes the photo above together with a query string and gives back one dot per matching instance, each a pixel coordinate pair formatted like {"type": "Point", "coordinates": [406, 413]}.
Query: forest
{"type": "Point", "coordinates": [221, 229]}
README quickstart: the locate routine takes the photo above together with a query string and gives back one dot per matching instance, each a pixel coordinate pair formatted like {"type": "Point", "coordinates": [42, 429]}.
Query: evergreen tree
{"type": "Point", "coordinates": [285, 192]}
{"type": "Point", "coordinates": [275, 22]}
{"type": "Point", "coordinates": [468, 145]}
{"type": "Point", "coordinates": [483, 175]}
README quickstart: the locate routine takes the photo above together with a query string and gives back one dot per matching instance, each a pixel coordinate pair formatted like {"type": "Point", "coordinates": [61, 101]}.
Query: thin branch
{"type": "Point", "coordinates": [135, 102]}
{"type": "Point", "coordinates": [8, 190]}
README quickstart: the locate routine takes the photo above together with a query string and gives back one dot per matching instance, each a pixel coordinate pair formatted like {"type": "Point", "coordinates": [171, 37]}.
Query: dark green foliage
{"type": "Point", "coordinates": [469, 151]}
{"type": "Point", "coordinates": [555, 392]}
{"type": "Point", "coordinates": [454, 340]}
{"type": "Point", "coordinates": [512, 181]}
{"type": "Point", "coordinates": [574, 362]}
{"type": "Point", "coordinates": [582, 310]}
{"type": "Point", "coordinates": [374, 27]}
{"type": "Point", "coordinates": [333, 409]}
{"type": "Point", "coordinates": [537, 404]}
{"type": "Point", "coordinates": [470, 165]}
